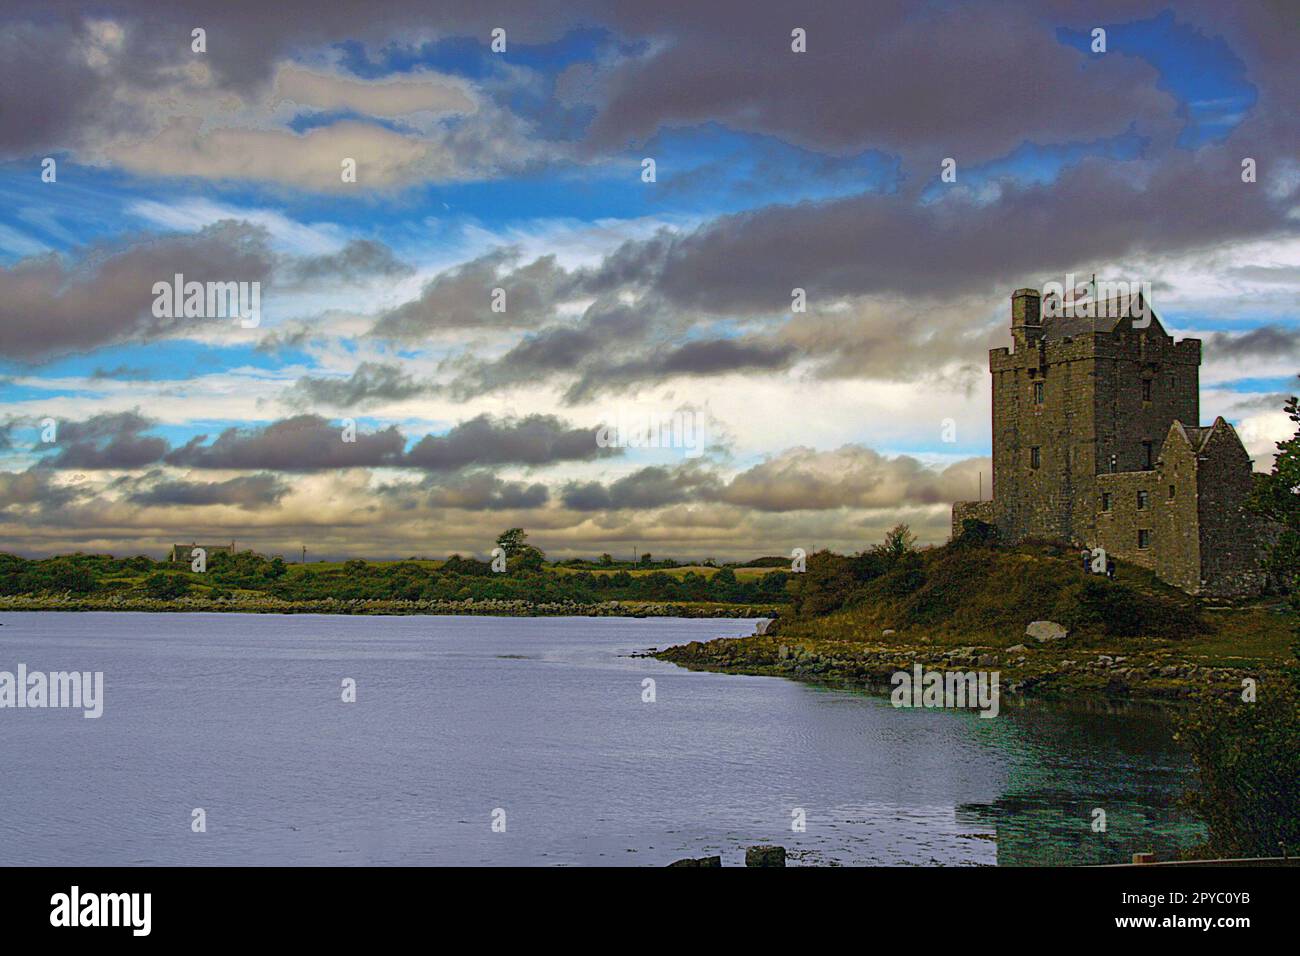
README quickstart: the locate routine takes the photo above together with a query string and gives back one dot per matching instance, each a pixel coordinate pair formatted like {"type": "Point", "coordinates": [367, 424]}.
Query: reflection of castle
{"type": "Point", "coordinates": [1096, 441]}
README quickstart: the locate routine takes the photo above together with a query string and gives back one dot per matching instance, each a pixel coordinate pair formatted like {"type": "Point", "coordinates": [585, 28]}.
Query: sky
{"type": "Point", "coordinates": [490, 242]}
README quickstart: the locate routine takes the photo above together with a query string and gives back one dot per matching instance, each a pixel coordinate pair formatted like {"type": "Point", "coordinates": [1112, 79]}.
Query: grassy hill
{"type": "Point", "coordinates": [859, 619]}
{"type": "Point", "coordinates": [982, 593]}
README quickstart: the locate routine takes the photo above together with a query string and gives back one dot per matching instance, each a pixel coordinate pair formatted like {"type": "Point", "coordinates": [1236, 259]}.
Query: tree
{"type": "Point", "coordinates": [899, 541]}
{"type": "Point", "coordinates": [1276, 497]}
{"type": "Point", "coordinates": [825, 586]}
{"type": "Point", "coordinates": [512, 541]}
{"type": "Point", "coordinates": [606, 559]}
{"type": "Point", "coordinates": [1245, 749]}
{"type": "Point", "coordinates": [526, 558]}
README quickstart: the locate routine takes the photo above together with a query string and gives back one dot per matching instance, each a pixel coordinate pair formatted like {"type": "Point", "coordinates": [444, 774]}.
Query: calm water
{"type": "Point", "coordinates": [541, 717]}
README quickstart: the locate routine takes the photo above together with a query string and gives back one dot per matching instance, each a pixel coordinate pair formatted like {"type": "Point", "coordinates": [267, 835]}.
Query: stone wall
{"type": "Point", "coordinates": [1231, 538]}
{"type": "Point", "coordinates": [979, 510]}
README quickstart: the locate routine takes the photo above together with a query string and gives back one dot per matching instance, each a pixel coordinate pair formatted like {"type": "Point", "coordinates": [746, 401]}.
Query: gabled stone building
{"type": "Point", "coordinates": [180, 553]}
{"type": "Point", "coordinates": [1097, 441]}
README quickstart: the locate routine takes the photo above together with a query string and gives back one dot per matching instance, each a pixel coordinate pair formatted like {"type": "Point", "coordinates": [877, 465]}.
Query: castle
{"type": "Point", "coordinates": [1097, 441]}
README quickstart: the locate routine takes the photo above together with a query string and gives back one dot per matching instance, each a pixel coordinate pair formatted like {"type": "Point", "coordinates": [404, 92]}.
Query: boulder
{"type": "Point", "coordinates": [1045, 631]}
{"type": "Point", "coordinates": [1017, 649]}
{"type": "Point", "coordinates": [699, 861]}
{"type": "Point", "coordinates": [765, 855]}
{"type": "Point", "coordinates": [888, 632]}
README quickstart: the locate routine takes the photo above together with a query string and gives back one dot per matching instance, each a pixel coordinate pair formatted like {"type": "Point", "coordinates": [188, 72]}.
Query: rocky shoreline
{"type": "Point", "coordinates": [1052, 670]}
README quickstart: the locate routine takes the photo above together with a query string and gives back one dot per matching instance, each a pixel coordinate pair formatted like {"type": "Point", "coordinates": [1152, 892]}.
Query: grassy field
{"type": "Point", "coordinates": [742, 574]}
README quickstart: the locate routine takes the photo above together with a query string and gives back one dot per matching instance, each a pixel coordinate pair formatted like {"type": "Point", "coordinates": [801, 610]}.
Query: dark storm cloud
{"type": "Point", "coordinates": [1267, 341]}
{"type": "Point", "coordinates": [250, 492]}
{"type": "Point", "coordinates": [307, 443]}
{"type": "Point", "coordinates": [299, 444]}
{"type": "Point", "coordinates": [34, 487]}
{"type": "Point", "coordinates": [536, 440]}
{"type": "Point", "coordinates": [462, 298]}
{"type": "Point", "coordinates": [370, 383]}
{"type": "Point", "coordinates": [652, 487]}
{"type": "Point", "coordinates": [48, 92]}
{"type": "Point", "coordinates": [481, 491]}
{"type": "Point", "coordinates": [1095, 211]}
{"type": "Point", "coordinates": [52, 306]}
{"type": "Point", "coordinates": [885, 75]}
{"type": "Point", "coordinates": [104, 442]}
{"type": "Point", "coordinates": [708, 357]}
{"type": "Point", "coordinates": [1274, 402]}
{"type": "Point", "coordinates": [605, 329]}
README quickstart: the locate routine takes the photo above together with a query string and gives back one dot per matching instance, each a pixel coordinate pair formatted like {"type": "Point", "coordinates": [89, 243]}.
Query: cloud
{"type": "Point", "coordinates": [359, 259]}
{"type": "Point", "coordinates": [369, 384]}
{"type": "Point", "coordinates": [647, 488]}
{"type": "Point", "coordinates": [33, 487]}
{"type": "Point", "coordinates": [535, 441]}
{"type": "Point", "coordinates": [798, 479]}
{"type": "Point", "coordinates": [52, 306]}
{"type": "Point", "coordinates": [299, 444]}
{"type": "Point", "coordinates": [251, 492]}
{"type": "Point", "coordinates": [326, 91]}
{"type": "Point", "coordinates": [462, 298]}
{"type": "Point", "coordinates": [106, 442]}
{"type": "Point", "coordinates": [1265, 341]}
{"type": "Point", "coordinates": [481, 491]}
{"type": "Point", "coordinates": [852, 476]}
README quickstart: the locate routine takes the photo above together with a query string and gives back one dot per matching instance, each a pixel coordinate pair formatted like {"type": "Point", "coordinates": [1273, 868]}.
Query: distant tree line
{"type": "Point", "coordinates": [527, 577]}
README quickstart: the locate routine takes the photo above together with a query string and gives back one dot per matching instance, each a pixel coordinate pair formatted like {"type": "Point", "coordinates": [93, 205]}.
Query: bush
{"type": "Point", "coordinates": [1247, 756]}
{"type": "Point", "coordinates": [164, 587]}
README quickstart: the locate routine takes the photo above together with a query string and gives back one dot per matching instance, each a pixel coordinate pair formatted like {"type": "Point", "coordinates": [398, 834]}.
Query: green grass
{"type": "Point", "coordinates": [742, 574]}
{"type": "Point", "coordinates": [986, 597]}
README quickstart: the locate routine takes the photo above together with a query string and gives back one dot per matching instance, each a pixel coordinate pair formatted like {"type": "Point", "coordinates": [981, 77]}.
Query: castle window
{"type": "Point", "coordinates": [1144, 498]}
{"type": "Point", "coordinates": [1035, 457]}
{"type": "Point", "coordinates": [1105, 501]}
{"type": "Point", "coordinates": [1144, 539]}
{"type": "Point", "coordinates": [1148, 451]}
{"type": "Point", "coordinates": [1172, 489]}
{"type": "Point", "coordinates": [1114, 464]}
{"type": "Point", "coordinates": [1146, 389]}
{"type": "Point", "coordinates": [1038, 393]}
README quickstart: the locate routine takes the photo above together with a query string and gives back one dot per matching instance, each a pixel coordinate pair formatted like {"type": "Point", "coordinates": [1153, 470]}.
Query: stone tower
{"type": "Point", "coordinates": [1086, 403]}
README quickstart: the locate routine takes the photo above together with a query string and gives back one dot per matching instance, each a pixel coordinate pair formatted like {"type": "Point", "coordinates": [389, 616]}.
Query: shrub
{"type": "Point", "coordinates": [166, 586]}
